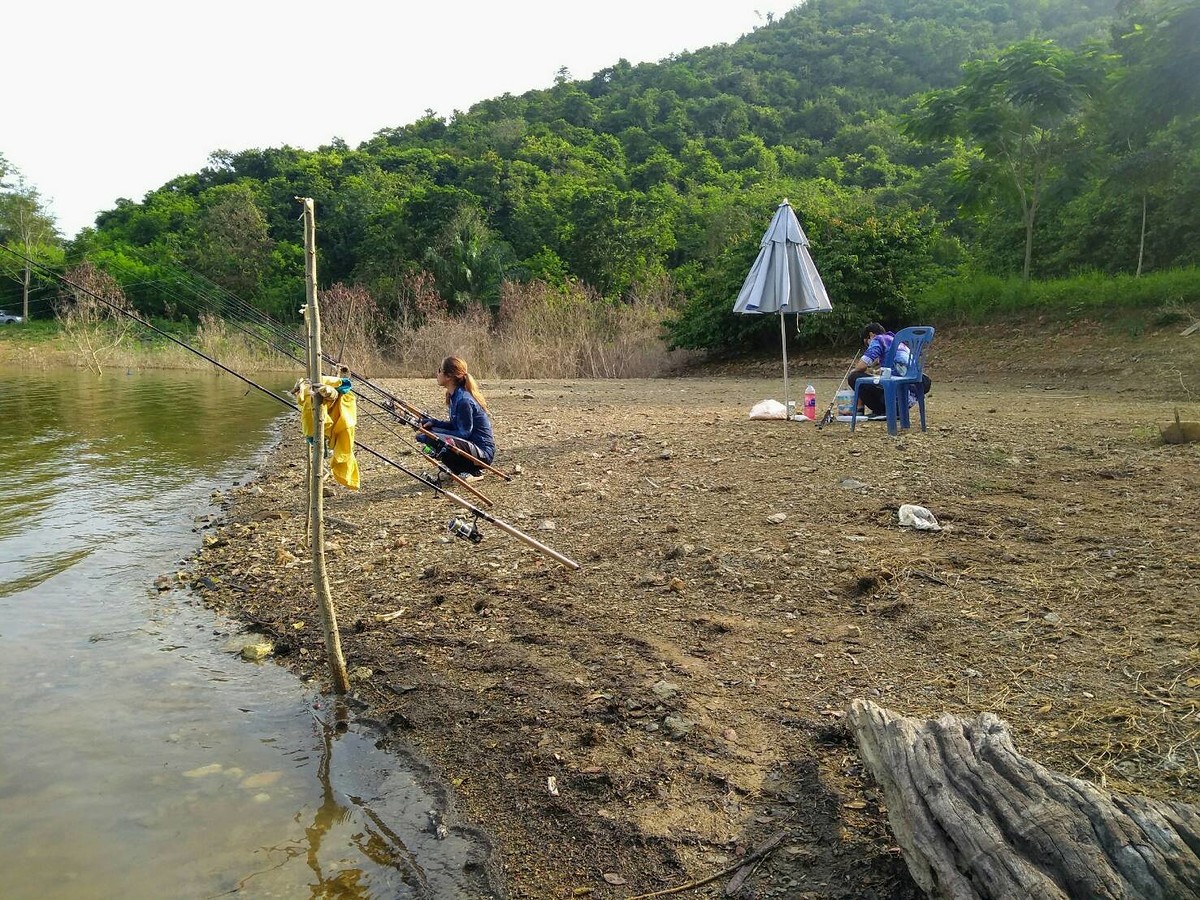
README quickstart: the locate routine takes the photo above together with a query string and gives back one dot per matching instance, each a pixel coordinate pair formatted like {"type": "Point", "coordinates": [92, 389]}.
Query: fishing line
{"type": "Point", "coordinates": [384, 424]}
{"type": "Point", "coordinates": [395, 406]}
{"type": "Point", "coordinates": [223, 299]}
{"type": "Point", "coordinates": [474, 510]}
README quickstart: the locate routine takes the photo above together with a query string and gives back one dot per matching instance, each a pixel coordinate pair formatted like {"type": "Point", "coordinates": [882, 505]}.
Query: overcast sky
{"type": "Point", "coordinates": [109, 100]}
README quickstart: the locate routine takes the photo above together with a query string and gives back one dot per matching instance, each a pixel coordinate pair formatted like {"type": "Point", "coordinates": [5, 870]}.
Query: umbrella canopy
{"type": "Point", "coordinates": [783, 279]}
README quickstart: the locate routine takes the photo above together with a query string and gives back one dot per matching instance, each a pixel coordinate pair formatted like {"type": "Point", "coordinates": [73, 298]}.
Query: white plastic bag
{"type": "Point", "coordinates": [768, 409]}
{"type": "Point", "coordinates": [918, 517]}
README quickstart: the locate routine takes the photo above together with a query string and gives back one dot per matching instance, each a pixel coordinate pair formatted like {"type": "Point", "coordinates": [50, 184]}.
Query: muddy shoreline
{"type": "Point", "coordinates": [650, 719]}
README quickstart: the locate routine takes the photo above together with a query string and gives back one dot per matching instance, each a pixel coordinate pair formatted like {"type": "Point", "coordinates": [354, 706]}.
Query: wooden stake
{"type": "Point", "coordinates": [316, 467]}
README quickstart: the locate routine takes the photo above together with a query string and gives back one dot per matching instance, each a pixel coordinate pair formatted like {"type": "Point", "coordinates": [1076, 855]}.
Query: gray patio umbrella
{"type": "Point", "coordinates": [783, 279]}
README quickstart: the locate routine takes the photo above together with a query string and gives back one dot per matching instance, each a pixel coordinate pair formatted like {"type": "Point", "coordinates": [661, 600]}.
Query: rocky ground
{"type": "Point", "coordinates": [651, 718]}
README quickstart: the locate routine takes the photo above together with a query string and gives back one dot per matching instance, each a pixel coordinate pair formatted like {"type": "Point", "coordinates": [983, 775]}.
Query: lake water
{"type": "Point", "coordinates": [139, 755]}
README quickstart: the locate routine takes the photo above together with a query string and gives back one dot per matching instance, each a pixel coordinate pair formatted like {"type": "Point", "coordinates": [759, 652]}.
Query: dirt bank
{"type": "Point", "coordinates": [644, 721]}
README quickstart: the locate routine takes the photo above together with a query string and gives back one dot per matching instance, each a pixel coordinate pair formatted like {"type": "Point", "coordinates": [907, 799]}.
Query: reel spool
{"type": "Point", "coordinates": [468, 531]}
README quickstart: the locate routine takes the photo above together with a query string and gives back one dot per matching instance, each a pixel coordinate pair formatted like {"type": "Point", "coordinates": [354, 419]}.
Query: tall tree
{"type": "Point", "coordinates": [1155, 108]}
{"type": "Point", "coordinates": [467, 261]}
{"type": "Point", "coordinates": [1020, 115]}
{"type": "Point", "coordinates": [25, 223]}
{"type": "Point", "coordinates": [232, 246]}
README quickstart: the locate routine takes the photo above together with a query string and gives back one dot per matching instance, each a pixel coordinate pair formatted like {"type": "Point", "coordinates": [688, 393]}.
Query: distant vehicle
{"type": "Point", "coordinates": [6, 318]}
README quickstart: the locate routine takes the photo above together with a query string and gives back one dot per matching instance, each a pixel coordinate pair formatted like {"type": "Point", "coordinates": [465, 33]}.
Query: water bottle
{"type": "Point", "coordinates": [810, 403]}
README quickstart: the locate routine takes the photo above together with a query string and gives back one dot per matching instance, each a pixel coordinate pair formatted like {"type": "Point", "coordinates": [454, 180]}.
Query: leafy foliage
{"type": "Point", "coordinates": [1020, 114]}
{"type": "Point", "coordinates": [27, 227]}
{"type": "Point", "coordinates": [1031, 127]}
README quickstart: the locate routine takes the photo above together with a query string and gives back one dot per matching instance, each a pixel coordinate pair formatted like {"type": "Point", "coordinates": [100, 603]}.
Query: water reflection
{"type": "Point", "coordinates": [142, 758]}
{"type": "Point", "coordinates": [334, 875]}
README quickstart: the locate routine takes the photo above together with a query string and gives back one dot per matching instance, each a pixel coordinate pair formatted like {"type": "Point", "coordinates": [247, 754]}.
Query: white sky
{"type": "Point", "coordinates": [114, 99]}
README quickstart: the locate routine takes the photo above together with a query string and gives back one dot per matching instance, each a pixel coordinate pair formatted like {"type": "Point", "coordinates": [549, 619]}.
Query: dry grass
{"type": "Point", "coordinates": [544, 332]}
{"type": "Point", "coordinates": [108, 345]}
{"type": "Point", "coordinates": [539, 331]}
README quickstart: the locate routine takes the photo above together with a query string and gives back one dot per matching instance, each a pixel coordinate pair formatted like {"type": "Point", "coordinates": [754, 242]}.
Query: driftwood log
{"type": "Point", "coordinates": [975, 819]}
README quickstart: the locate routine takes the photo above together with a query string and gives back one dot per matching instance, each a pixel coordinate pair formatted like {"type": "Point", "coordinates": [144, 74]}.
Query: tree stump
{"type": "Point", "coordinates": [975, 819]}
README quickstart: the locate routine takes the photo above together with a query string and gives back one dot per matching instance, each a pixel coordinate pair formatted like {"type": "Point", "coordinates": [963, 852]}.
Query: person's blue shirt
{"type": "Point", "coordinates": [876, 352]}
{"type": "Point", "coordinates": [469, 421]}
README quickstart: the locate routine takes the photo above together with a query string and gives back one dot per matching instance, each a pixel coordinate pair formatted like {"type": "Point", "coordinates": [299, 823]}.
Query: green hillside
{"type": "Point", "coordinates": [1044, 156]}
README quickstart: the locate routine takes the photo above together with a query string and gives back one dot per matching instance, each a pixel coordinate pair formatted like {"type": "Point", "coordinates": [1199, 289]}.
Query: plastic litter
{"type": "Point", "coordinates": [918, 517]}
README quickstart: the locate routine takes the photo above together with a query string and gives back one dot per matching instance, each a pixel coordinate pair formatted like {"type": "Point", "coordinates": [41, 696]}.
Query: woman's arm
{"type": "Point", "coordinates": [462, 417]}
{"type": "Point", "coordinates": [872, 356]}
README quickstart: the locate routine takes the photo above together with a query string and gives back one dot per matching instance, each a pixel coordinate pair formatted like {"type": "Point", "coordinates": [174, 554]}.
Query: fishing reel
{"type": "Point", "coordinates": [468, 531]}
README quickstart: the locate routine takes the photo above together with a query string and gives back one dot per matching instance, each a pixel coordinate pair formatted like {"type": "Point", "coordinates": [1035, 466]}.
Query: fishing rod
{"type": "Point", "coordinates": [442, 467]}
{"type": "Point", "coordinates": [439, 464]}
{"type": "Point", "coordinates": [398, 408]}
{"type": "Point", "coordinates": [828, 417]}
{"type": "Point", "coordinates": [411, 417]}
{"type": "Point", "coordinates": [457, 526]}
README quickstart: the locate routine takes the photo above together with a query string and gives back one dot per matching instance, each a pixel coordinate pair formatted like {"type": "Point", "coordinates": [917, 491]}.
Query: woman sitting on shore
{"type": "Point", "coordinates": [469, 427]}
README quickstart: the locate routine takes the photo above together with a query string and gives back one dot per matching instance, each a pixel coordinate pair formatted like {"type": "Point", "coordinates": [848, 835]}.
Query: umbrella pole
{"type": "Point", "coordinates": [783, 335]}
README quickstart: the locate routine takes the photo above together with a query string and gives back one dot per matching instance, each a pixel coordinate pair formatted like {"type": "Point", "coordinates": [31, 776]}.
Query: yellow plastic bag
{"type": "Point", "coordinates": [340, 419]}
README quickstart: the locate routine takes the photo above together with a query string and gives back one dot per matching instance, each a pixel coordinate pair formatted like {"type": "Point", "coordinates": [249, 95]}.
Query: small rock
{"type": "Point", "coordinates": [664, 690]}
{"type": "Point", "coordinates": [258, 650]}
{"type": "Point", "coordinates": [851, 484]}
{"type": "Point", "coordinates": [677, 726]}
{"type": "Point", "coordinates": [210, 769]}
{"type": "Point", "coordinates": [548, 525]}
{"type": "Point", "coordinates": [260, 780]}
{"type": "Point", "coordinates": [845, 633]}
{"type": "Point", "coordinates": [777, 518]}
{"type": "Point", "coordinates": [676, 584]}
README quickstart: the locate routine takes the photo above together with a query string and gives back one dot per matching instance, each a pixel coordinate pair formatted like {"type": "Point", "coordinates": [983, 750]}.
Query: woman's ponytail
{"type": "Point", "coordinates": [456, 370]}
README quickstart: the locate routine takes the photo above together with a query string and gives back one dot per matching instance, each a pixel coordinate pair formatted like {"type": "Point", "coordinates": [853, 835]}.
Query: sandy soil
{"type": "Point", "coordinates": [646, 720]}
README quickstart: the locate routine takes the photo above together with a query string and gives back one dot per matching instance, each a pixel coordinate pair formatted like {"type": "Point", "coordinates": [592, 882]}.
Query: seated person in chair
{"type": "Point", "coordinates": [878, 341]}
